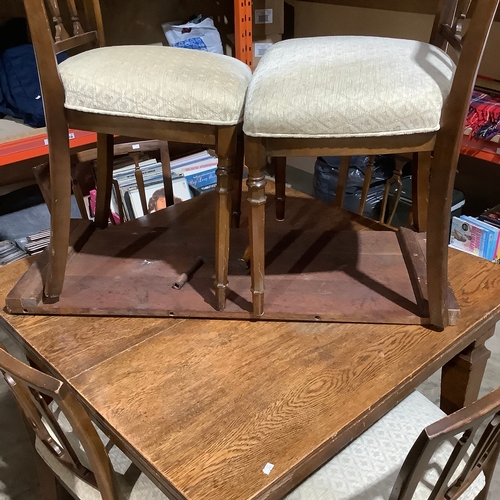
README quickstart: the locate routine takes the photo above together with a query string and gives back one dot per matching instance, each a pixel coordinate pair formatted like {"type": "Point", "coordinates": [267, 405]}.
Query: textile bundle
{"type": "Point", "coordinates": [483, 118]}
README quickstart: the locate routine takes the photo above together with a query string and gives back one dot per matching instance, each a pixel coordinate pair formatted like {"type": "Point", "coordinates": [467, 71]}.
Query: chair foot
{"type": "Point", "coordinates": [220, 297]}
{"type": "Point", "coordinates": [258, 303]}
{"type": "Point", "coordinates": [280, 209]}
{"type": "Point", "coordinates": [52, 299]}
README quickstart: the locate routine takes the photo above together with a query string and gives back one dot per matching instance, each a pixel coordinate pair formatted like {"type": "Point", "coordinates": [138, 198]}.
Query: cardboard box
{"type": "Point", "coordinates": [268, 18]}
{"type": "Point", "coordinates": [259, 47]}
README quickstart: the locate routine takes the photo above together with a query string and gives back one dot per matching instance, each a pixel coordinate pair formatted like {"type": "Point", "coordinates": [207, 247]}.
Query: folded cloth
{"type": "Point", "coordinates": [483, 118]}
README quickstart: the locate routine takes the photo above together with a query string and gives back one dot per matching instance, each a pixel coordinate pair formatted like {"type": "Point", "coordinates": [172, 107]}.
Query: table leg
{"type": "Point", "coordinates": [462, 376]}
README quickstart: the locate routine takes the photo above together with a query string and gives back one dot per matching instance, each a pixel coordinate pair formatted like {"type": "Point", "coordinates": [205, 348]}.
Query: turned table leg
{"type": "Point", "coordinates": [462, 376]}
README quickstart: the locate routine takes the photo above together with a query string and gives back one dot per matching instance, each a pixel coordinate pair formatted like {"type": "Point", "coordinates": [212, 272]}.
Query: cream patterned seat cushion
{"type": "Point", "coordinates": [368, 467]}
{"type": "Point", "coordinates": [161, 83]}
{"type": "Point", "coordinates": [348, 86]}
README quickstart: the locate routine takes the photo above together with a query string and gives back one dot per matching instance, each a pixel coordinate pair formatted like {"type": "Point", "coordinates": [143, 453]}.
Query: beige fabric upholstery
{"type": "Point", "coordinates": [162, 83]}
{"type": "Point", "coordinates": [348, 86]}
{"type": "Point", "coordinates": [368, 467]}
{"type": "Point", "coordinates": [131, 486]}
{"type": "Point", "coordinates": [130, 482]}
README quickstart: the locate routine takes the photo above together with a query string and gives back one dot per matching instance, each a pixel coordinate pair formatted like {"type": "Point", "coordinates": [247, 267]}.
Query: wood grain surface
{"type": "Point", "coordinates": [321, 264]}
{"type": "Point", "coordinates": [202, 406]}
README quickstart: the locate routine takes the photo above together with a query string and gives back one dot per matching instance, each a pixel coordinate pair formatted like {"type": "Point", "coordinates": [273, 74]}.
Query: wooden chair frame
{"type": "Point", "coordinates": [30, 388]}
{"type": "Point", "coordinates": [446, 34]}
{"type": "Point", "coordinates": [466, 422]}
{"type": "Point", "coordinates": [223, 139]}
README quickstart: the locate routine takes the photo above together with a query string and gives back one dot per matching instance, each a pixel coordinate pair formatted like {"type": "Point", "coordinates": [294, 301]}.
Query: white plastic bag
{"type": "Point", "coordinates": [199, 36]}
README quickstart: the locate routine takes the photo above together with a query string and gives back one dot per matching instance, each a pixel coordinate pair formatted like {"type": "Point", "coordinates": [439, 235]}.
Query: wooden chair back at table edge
{"type": "Point", "coordinates": [30, 388]}
{"type": "Point", "coordinates": [465, 422]}
{"type": "Point", "coordinates": [87, 33]}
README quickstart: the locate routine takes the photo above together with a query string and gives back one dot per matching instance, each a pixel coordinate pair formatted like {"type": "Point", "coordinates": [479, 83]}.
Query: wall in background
{"type": "Point", "coordinates": [316, 19]}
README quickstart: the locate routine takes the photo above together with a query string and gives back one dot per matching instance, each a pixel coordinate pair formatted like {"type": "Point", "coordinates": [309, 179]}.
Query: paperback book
{"type": "Point", "coordinates": [475, 237]}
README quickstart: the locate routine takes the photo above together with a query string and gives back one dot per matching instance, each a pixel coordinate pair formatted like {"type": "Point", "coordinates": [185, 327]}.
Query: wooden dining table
{"type": "Point", "coordinates": [230, 409]}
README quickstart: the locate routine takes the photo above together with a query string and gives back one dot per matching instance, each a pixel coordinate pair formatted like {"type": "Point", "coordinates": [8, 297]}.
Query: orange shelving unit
{"type": "Point", "coordinates": [484, 150]}
{"type": "Point", "coordinates": [243, 30]}
{"type": "Point", "coordinates": [38, 146]}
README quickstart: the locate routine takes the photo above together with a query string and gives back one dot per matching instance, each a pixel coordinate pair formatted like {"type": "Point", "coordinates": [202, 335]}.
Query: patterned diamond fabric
{"type": "Point", "coordinates": [348, 86]}
{"type": "Point", "coordinates": [368, 467]}
{"type": "Point", "coordinates": [163, 83]}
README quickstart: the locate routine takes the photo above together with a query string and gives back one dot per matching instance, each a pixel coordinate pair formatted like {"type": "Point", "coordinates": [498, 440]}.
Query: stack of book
{"type": "Point", "coordinates": [479, 236]}
{"type": "Point", "coordinates": [9, 252]}
{"type": "Point", "coordinates": [191, 175]}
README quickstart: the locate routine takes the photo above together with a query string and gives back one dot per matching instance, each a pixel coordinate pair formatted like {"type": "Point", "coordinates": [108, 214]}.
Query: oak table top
{"type": "Point", "coordinates": [203, 405]}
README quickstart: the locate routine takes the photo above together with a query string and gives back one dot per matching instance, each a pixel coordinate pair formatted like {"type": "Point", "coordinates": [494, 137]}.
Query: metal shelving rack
{"type": "Point", "coordinates": [243, 30]}
{"type": "Point", "coordinates": [37, 146]}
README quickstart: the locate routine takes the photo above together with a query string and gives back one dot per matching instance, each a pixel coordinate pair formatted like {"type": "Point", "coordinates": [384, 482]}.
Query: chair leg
{"type": "Point", "coordinates": [440, 199]}
{"type": "Point", "coordinates": [421, 167]}
{"type": "Point", "coordinates": [226, 152]}
{"type": "Point", "coordinates": [166, 173]}
{"type": "Point", "coordinates": [104, 179]}
{"type": "Point", "coordinates": [60, 211]}
{"type": "Point", "coordinates": [280, 181]}
{"type": "Point", "coordinates": [256, 162]}
{"type": "Point", "coordinates": [238, 180]}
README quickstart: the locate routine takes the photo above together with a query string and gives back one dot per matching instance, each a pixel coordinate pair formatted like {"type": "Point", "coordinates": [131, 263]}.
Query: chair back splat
{"type": "Point", "coordinates": [462, 426]}
{"type": "Point", "coordinates": [31, 389]}
{"type": "Point", "coordinates": [46, 49]}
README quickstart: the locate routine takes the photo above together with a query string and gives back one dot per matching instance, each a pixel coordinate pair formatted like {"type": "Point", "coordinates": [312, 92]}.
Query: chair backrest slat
{"type": "Point", "coordinates": [464, 425]}
{"type": "Point", "coordinates": [449, 23]}
{"type": "Point", "coordinates": [76, 41]}
{"type": "Point", "coordinates": [60, 30]}
{"type": "Point", "coordinates": [30, 388]}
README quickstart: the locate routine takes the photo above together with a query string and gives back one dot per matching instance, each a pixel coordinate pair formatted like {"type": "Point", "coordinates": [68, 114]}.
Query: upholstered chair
{"type": "Point", "coordinates": [69, 448]}
{"type": "Point", "coordinates": [414, 452]}
{"type": "Point", "coordinates": [363, 95]}
{"type": "Point", "coordinates": [149, 92]}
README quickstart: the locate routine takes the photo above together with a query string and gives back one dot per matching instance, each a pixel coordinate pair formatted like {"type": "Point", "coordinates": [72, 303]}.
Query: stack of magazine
{"type": "Point", "coordinates": [191, 175]}
{"type": "Point", "coordinates": [34, 243]}
{"type": "Point", "coordinates": [9, 252]}
{"type": "Point", "coordinates": [479, 236]}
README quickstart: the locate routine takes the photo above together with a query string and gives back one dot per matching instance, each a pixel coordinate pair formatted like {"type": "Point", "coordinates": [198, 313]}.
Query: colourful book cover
{"type": "Point", "coordinates": [465, 236]}
{"type": "Point", "coordinates": [484, 235]}
{"type": "Point", "coordinates": [492, 234]}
